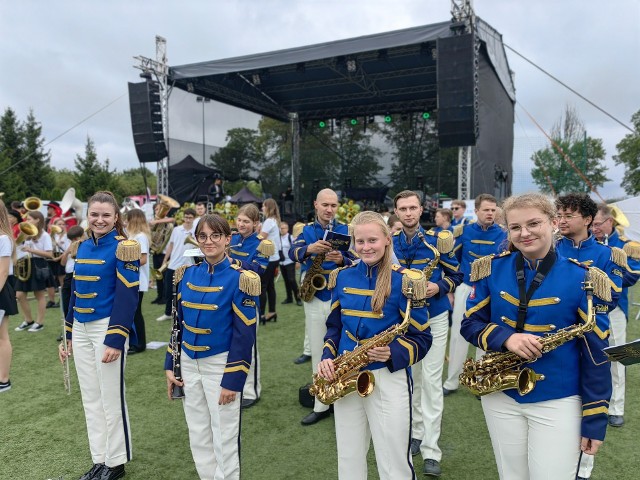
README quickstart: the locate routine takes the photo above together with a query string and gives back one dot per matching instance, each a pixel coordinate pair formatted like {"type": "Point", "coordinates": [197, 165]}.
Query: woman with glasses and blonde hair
{"type": "Point", "coordinates": [8, 305]}
{"type": "Point", "coordinates": [138, 230]}
{"type": "Point", "coordinates": [216, 349]}
{"type": "Point", "coordinates": [40, 248]}
{"type": "Point", "coordinates": [520, 296]}
{"type": "Point", "coordinates": [368, 298]}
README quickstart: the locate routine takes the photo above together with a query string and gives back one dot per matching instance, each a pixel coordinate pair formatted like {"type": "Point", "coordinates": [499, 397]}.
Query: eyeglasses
{"type": "Point", "coordinates": [456, 208]}
{"type": "Point", "coordinates": [532, 227]}
{"type": "Point", "coordinates": [568, 218]}
{"type": "Point", "coordinates": [214, 237]}
{"type": "Point", "coordinates": [599, 224]}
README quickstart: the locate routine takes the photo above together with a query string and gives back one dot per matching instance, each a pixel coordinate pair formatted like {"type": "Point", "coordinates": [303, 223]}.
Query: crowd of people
{"type": "Point", "coordinates": [384, 287]}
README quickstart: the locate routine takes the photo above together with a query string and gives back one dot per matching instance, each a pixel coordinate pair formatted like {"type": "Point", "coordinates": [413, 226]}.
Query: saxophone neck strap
{"type": "Point", "coordinates": [526, 294]}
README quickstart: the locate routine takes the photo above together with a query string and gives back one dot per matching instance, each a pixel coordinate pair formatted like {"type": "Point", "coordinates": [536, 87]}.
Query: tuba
{"type": "Point", "coordinates": [498, 371]}
{"type": "Point", "coordinates": [23, 264]}
{"type": "Point", "coordinates": [161, 232]}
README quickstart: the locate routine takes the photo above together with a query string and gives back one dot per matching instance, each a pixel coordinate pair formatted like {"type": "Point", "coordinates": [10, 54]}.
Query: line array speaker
{"type": "Point", "coordinates": [146, 121]}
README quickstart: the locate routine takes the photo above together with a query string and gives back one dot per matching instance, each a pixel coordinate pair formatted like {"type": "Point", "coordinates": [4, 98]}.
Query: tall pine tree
{"type": "Point", "coordinates": [91, 174]}
{"type": "Point", "coordinates": [12, 183]}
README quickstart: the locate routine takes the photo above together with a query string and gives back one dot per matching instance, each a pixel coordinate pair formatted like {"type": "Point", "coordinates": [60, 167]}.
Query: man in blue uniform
{"type": "Point", "coordinates": [305, 248]}
{"type": "Point", "coordinates": [473, 241]}
{"type": "Point", "coordinates": [428, 251]}
{"type": "Point", "coordinates": [458, 208]}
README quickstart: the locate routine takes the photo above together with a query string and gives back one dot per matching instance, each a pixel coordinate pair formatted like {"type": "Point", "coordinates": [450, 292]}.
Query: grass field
{"type": "Point", "coordinates": [43, 434]}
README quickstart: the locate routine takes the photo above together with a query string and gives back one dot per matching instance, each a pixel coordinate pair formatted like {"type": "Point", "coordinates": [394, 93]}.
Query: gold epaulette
{"type": "Point", "coordinates": [397, 233]}
{"type": "Point", "coordinates": [431, 231]}
{"type": "Point", "coordinates": [445, 241]}
{"type": "Point", "coordinates": [266, 247]}
{"type": "Point", "coordinates": [73, 248]}
{"type": "Point", "coordinates": [481, 268]}
{"type": "Point", "coordinates": [632, 249]}
{"type": "Point", "coordinates": [249, 281]}
{"type": "Point", "coordinates": [128, 250]}
{"type": "Point", "coordinates": [601, 284]}
{"type": "Point", "coordinates": [120, 237]}
{"type": "Point", "coordinates": [179, 273]}
{"type": "Point", "coordinates": [297, 229]}
{"type": "Point", "coordinates": [417, 279]}
{"type": "Point", "coordinates": [619, 257]}
{"type": "Point", "coordinates": [259, 236]}
{"type": "Point", "coordinates": [333, 276]}
{"type": "Point", "coordinates": [457, 230]}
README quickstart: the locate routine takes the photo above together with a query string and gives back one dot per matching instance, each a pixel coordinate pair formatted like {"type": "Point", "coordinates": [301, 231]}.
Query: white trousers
{"type": "Point", "coordinates": [253, 385]}
{"type": "Point", "coordinates": [427, 390]}
{"type": "Point", "coordinates": [618, 324]}
{"type": "Point", "coordinates": [315, 320]}
{"type": "Point", "coordinates": [214, 430]}
{"type": "Point", "coordinates": [306, 346]}
{"type": "Point", "coordinates": [458, 346]}
{"type": "Point", "coordinates": [534, 441]}
{"type": "Point", "coordinates": [385, 417]}
{"type": "Point", "coordinates": [103, 394]}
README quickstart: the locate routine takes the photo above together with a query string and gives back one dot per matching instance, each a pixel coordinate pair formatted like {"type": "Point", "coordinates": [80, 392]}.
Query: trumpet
{"type": "Point", "coordinates": [26, 230]}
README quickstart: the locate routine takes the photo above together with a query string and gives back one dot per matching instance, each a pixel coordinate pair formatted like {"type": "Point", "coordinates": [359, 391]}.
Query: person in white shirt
{"type": "Point", "coordinates": [8, 304]}
{"type": "Point", "coordinates": [75, 233]}
{"type": "Point", "coordinates": [175, 258]}
{"type": "Point", "coordinates": [270, 231]}
{"type": "Point", "coordinates": [288, 266]}
{"type": "Point", "coordinates": [138, 230]}
{"type": "Point", "coordinates": [39, 248]}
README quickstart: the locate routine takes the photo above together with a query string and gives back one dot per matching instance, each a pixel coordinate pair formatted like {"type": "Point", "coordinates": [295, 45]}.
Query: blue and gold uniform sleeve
{"type": "Point", "coordinates": [125, 303]}
{"type": "Point", "coordinates": [595, 376]}
{"type": "Point", "coordinates": [631, 274]}
{"type": "Point", "coordinates": [298, 250]}
{"type": "Point", "coordinates": [68, 321]}
{"type": "Point", "coordinates": [476, 327]}
{"type": "Point", "coordinates": [614, 272]}
{"type": "Point", "coordinates": [452, 275]}
{"type": "Point", "coordinates": [411, 347]}
{"type": "Point", "coordinates": [334, 328]}
{"type": "Point", "coordinates": [245, 319]}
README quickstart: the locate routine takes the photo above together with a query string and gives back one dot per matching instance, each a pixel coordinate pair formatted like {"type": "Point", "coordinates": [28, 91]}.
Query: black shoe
{"type": "Point", "coordinates": [51, 304]}
{"type": "Point", "coordinates": [249, 402]}
{"type": "Point", "coordinates": [432, 468]}
{"type": "Point", "coordinates": [59, 339]}
{"type": "Point", "coordinates": [272, 318]}
{"type": "Point", "coordinates": [302, 359]}
{"type": "Point", "coordinates": [111, 473]}
{"type": "Point", "coordinates": [616, 420]}
{"type": "Point", "coordinates": [315, 417]}
{"type": "Point", "coordinates": [288, 300]}
{"type": "Point", "coordinates": [263, 320]}
{"type": "Point", "coordinates": [299, 302]}
{"type": "Point", "coordinates": [94, 473]}
{"type": "Point", "coordinates": [415, 446]}
{"type": "Point", "coordinates": [446, 392]}
{"type": "Point", "coordinates": [133, 350]}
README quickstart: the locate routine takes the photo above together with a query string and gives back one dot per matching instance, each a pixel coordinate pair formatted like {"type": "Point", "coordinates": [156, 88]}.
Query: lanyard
{"type": "Point", "coordinates": [525, 295]}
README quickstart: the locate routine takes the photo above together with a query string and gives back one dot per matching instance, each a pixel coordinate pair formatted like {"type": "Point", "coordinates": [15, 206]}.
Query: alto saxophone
{"type": "Point", "coordinates": [497, 371]}
{"type": "Point", "coordinates": [348, 376]}
{"type": "Point", "coordinates": [314, 279]}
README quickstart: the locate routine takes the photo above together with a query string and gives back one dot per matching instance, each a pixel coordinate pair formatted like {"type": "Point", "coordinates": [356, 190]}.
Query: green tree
{"type": "Point", "coordinates": [238, 158]}
{"type": "Point", "coordinates": [587, 154]}
{"type": "Point", "coordinates": [12, 183]}
{"type": "Point", "coordinates": [629, 155]}
{"type": "Point", "coordinates": [359, 165]}
{"type": "Point", "coordinates": [36, 163]}
{"type": "Point", "coordinates": [91, 175]}
{"type": "Point", "coordinates": [131, 182]}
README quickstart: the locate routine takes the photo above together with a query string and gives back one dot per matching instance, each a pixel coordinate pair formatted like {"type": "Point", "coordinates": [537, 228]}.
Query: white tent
{"type": "Point", "coordinates": [631, 208]}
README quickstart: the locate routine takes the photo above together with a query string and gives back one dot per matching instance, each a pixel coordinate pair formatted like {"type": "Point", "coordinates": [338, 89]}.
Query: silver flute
{"type": "Point", "coordinates": [66, 376]}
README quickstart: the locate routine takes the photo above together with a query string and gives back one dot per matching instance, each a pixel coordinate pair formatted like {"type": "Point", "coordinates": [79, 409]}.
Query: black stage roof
{"type": "Point", "coordinates": [390, 72]}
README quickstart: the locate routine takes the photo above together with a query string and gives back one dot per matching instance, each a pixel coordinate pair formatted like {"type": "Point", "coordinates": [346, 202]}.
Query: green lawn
{"type": "Point", "coordinates": [43, 434]}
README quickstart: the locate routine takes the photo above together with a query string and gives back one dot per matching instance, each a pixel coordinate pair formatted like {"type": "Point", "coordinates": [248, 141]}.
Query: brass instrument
{"type": "Point", "coordinates": [497, 371]}
{"type": "Point", "coordinates": [191, 241]}
{"type": "Point", "coordinates": [32, 203]}
{"type": "Point", "coordinates": [26, 230]}
{"type": "Point", "coordinates": [159, 273]}
{"type": "Point", "coordinates": [619, 217]}
{"type": "Point", "coordinates": [348, 376]}
{"type": "Point", "coordinates": [161, 232]}
{"type": "Point", "coordinates": [23, 264]}
{"type": "Point", "coordinates": [314, 279]}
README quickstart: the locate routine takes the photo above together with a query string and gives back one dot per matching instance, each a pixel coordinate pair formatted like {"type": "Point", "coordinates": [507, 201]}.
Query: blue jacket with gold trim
{"type": "Point", "coordinates": [417, 253]}
{"type": "Point", "coordinates": [216, 316]}
{"type": "Point", "coordinates": [245, 249]}
{"type": "Point", "coordinates": [351, 319]}
{"type": "Point", "coordinates": [474, 242]}
{"type": "Point", "coordinates": [311, 233]}
{"type": "Point", "coordinates": [104, 285]}
{"type": "Point", "coordinates": [631, 273]}
{"type": "Point", "coordinates": [592, 253]}
{"type": "Point", "coordinates": [579, 367]}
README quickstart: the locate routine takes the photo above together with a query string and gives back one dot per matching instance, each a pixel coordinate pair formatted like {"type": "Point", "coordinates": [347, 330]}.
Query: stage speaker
{"type": "Point", "coordinates": [457, 126]}
{"type": "Point", "coordinates": [146, 121]}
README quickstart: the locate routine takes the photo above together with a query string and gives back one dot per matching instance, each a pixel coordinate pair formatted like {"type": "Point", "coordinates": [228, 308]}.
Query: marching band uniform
{"type": "Point", "coordinates": [612, 262]}
{"type": "Point", "coordinates": [104, 297]}
{"type": "Point", "coordinates": [317, 310]}
{"type": "Point", "coordinates": [384, 415]}
{"type": "Point", "coordinates": [543, 427]}
{"type": "Point", "coordinates": [472, 242]}
{"type": "Point", "coordinates": [251, 253]}
{"type": "Point", "coordinates": [216, 307]}
{"type": "Point", "coordinates": [419, 252]}
{"type": "Point", "coordinates": [460, 221]}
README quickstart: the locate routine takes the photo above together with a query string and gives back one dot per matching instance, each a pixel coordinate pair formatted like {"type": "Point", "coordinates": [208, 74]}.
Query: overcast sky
{"type": "Point", "coordinates": [68, 60]}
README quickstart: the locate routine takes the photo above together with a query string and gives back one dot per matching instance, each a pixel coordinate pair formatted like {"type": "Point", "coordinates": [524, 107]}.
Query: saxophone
{"type": "Point", "coordinates": [348, 376]}
{"type": "Point", "coordinates": [497, 371]}
{"type": "Point", "coordinates": [314, 280]}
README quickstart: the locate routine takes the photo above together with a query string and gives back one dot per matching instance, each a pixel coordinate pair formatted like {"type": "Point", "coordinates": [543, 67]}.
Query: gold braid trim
{"type": "Point", "coordinates": [179, 273]}
{"type": "Point", "coordinates": [632, 249]}
{"type": "Point", "coordinates": [445, 241]}
{"type": "Point", "coordinates": [457, 230]}
{"type": "Point", "coordinates": [418, 282]}
{"type": "Point", "coordinates": [266, 247]}
{"type": "Point", "coordinates": [601, 284]}
{"type": "Point", "coordinates": [297, 230]}
{"type": "Point", "coordinates": [128, 251]}
{"type": "Point", "coordinates": [249, 282]}
{"type": "Point", "coordinates": [333, 276]}
{"type": "Point", "coordinates": [73, 249]}
{"type": "Point", "coordinates": [481, 268]}
{"type": "Point", "coordinates": [619, 257]}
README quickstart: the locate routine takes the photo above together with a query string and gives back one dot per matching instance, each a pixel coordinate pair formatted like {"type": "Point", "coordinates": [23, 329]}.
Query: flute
{"type": "Point", "coordinates": [66, 376]}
